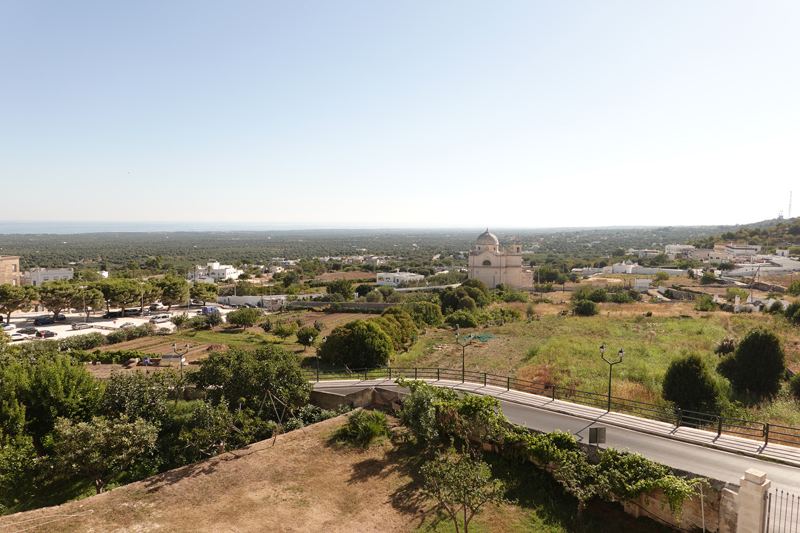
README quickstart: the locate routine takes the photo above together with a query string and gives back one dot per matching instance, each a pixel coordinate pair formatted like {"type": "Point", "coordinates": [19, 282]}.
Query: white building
{"type": "Point", "coordinates": [215, 271]}
{"type": "Point", "coordinates": [393, 279]}
{"type": "Point", "coordinates": [37, 276]}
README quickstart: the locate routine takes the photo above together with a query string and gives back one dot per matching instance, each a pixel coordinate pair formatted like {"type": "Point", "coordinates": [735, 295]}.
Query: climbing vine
{"type": "Point", "coordinates": [437, 416]}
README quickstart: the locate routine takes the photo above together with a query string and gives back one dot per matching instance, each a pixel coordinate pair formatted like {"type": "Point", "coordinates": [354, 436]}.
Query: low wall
{"type": "Point", "coordinates": [344, 305]}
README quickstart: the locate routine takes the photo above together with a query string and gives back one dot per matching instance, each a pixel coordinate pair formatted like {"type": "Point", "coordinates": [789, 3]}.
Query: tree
{"type": "Point", "coordinates": [708, 278]}
{"type": "Point", "coordinates": [759, 363]}
{"type": "Point", "coordinates": [59, 295]}
{"type": "Point", "coordinates": [244, 376]}
{"type": "Point", "coordinates": [341, 286]}
{"type": "Point", "coordinates": [290, 277]}
{"type": "Point", "coordinates": [138, 395]}
{"type": "Point", "coordinates": [732, 292]}
{"type": "Point", "coordinates": [174, 291]}
{"type": "Point", "coordinates": [36, 392]}
{"type": "Point", "coordinates": [94, 300]}
{"type": "Point", "coordinates": [307, 335]}
{"type": "Point", "coordinates": [204, 292]}
{"type": "Point", "coordinates": [214, 318]}
{"type": "Point", "coordinates": [364, 289]}
{"type": "Point", "coordinates": [688, 384]}
{"type": "Point", "coordinates": [121, 292]}
{"type": "Point", "coordinates": [658, 260]}
{"type": "Point", "coordinates": [245, 317]}
{"type": "Point", "coordinates": [16, 298]}
{"type": "Point", "coordinates": [358, 344]}
{"type": "Point", "coordinates": [100, 449]}
{"type": "Point", "coordinates": [462, 318]}
{"type": "Point", "coordinates": [461, 485]}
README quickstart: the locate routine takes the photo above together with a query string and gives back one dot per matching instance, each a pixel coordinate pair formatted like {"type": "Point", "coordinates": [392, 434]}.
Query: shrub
{"type": "Point", "coordinates": [794, 288]}
{"type": "Point", "coordinates": [708, 278]}
{"type": "Point", "coordinates": [732, 292]}
{"type": "Point", "coordinates": [621, 297]}
{"type": "Point", "coordinates": [116, 337]}
{"type": "Point", "coordinates": [725, 346]}
{"type": "Point", "coordinates": [180, 320]}
{"type": "Point", "coordinates": [586, 308]}
{"type": "Point", "coordinates": [530, 311]}
{"type": "Point", "coordinates": [318, 325]}
{"type": "Point", "coordinates": [792, 312]}
{"type": "Point", "coordinates": [358, 344]}
{"type": "Point", "coordinates": [83, 342]}
{"type": "Point", "coordinates": [705, 303]}
{"type": "Point", "coordinates": [759, 364]}
{"type": "Point", "coordinates": [267, 325]}
{"type": "Point", "coordinates": [467, 304]}
{"type": "Point", "coordinates": [775, 308]}
{"type": "Point", "coordinates": [462, 318]}
{"type": "Point", "coordinates": [283, 330]}
{"type": "Point", "coordinates": [305, 333]}
{"type": "Point", "coordinates": [688, 384]}
{"type": "Point", "coordinates": [660, 276]}
{"type": "Point", "coordinates": [794, 386]}
{"type": "Point", "coordinates": [363, 427]}
{"type": "Point", "coordinates": [425, 314]}
{"type": "Point", "coordinates": [598, 296]}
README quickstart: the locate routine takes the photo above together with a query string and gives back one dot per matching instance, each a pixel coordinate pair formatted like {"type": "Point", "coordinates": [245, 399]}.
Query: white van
{"type": "Point", "coordinates": [155, 319]}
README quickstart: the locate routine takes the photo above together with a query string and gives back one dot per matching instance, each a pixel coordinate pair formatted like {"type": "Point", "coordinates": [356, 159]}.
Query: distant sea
{"type": "Point", "coordinates": [27, 227]}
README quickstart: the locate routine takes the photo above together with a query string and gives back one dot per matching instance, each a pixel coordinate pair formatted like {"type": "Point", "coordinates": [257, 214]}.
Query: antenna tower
{"type": "Point", "coordinates": [789, 214]}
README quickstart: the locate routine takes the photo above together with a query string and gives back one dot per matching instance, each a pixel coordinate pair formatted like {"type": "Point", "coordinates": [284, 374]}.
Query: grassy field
{"type": "Point", "coordinates": [556, 350]}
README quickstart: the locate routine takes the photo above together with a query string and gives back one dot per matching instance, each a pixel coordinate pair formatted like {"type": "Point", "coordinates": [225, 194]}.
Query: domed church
{"type": "Point", "coordinates": [493, 266]}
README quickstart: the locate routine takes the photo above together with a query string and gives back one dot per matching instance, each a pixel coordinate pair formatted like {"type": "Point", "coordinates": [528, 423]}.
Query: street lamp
{"type": "Point", "coordinates": [142, 308]}
{"type": "Point", "coordinates": [463, 350]}
{"type": "Point", "coordinates": [621, 354]}
{"type": "Point", "coordinates": [180, 355]}
{"type": "Point", "coordinates": [83, 293]}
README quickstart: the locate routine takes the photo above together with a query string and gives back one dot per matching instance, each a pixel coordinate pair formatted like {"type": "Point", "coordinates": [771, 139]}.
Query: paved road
{"type": "Point", "coordinates": [629, 432]}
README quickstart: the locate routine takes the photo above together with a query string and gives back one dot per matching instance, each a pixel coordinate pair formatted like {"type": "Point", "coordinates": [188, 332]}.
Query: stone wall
{"type": "Point", "coordinates": [345, 306]}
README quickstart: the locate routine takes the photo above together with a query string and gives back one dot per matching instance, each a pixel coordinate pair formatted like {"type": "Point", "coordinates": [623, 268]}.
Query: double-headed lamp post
{"type": "Point", "coordinates": [463, 351]}
{"type": "Point", "coordinates": [621, 354]}
{"type": "Point", "coordinates": [180, 355]}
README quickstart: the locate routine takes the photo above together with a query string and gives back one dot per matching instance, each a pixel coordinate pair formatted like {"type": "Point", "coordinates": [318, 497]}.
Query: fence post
{"type": "Point", "coordinates": [484, 379]}
{"type": "Point", "coordinates": [680, 417]}
{"type": "Point", "coordinates": [508, 385]}
{"type": "Point", "coordinates": [554, 392]}
{"type": "Point", "coordinates": [415, 373]}
{"type": "Point", "coordinates": [719, 426]}
{"type": "Point", "coordinates": [766, 433]}
{"type": "Point", "coordinates": [753, 488]}
{"type": "Point", "coordinates": [438, 374]}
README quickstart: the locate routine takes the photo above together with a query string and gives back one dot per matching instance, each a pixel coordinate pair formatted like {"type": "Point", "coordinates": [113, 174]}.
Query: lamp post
{"type": "Point", "coordinates": [317, 354]}
{"type": "Point", "coordinates": [621, 354]}
{"type": "Point", "coordinates": [83, 294]}
{"type": "Point", "coordinates": [141, 309]}
{"type": "Point", "coordinates": [463, 353]}
{"type": "Point", "coordinates": [180, 355]}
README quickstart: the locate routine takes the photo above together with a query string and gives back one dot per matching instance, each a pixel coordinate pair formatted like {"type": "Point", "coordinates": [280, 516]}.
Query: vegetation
{"type": "Point", "coordinates": [758, 364]}
{"type": "Point", "coordinates": [357, 344]}
{"type": "Point", "coordinates": [363, 427]}
{"type": "Point", "coordinates": [688, 384]}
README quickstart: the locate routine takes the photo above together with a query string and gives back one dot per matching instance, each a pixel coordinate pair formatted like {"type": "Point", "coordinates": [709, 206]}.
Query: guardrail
{"type": "Point", "coordinates": [663, 413]}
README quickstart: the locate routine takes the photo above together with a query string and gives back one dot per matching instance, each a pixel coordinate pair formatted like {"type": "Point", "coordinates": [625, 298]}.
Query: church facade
{"type": "Point", "coordinates": [494, 266]}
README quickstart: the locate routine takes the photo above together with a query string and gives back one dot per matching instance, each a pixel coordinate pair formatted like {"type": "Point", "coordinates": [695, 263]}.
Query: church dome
{"type": "Point", "coordinates": [488, 239]}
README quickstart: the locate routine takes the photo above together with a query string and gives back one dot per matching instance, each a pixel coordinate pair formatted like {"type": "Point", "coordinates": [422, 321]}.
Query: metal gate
{"type": "Point", "coordinates": [783, 512]}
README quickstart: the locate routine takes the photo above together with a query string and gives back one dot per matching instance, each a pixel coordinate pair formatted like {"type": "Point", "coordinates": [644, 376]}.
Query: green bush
{"type": "Point", "coordinates": [792, 312]}
{"type": "Point", "coordinates": [586, 308]}
{"type": "Point", "coordinates": [794, 386]}
{"type": "Point", "coordinates": [688, 384]}
{"type": "Point", "coordinates": [708, 278]}
{"type": "Point", "coordinates": [363, 427]}
{"type": "Point", "coordinates": [794, 288]}
{"type": "Point", "coordinates": [462, 318]}
{"type": "Point", "coordinates": [598, 296]}
{"type": "Point", "coordinates": [83, 342]}
{"type": "Point", "coordinates": [775, 308]}
{"type": "Point", "coordinates": [425, 314]}
{"type": "Point", "coordinates": [705, 303]}
{"type": "Point", "coordinates": [759, 364]}
{"type": "Point", "coordinates": [357, 344]}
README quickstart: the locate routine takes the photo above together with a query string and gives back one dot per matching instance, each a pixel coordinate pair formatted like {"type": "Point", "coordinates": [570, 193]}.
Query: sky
{"type": "Point", "coordinates": [343, 114]}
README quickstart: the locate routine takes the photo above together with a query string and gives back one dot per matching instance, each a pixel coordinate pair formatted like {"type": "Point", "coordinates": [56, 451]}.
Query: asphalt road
{"type": "Point", "coordinates": [705, 462]}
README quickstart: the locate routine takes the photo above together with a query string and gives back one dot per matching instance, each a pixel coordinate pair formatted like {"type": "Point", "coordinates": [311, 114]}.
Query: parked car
{"type": "Point", "coordinates": [113, 314]}
{"type": "Point", "coordinates": [9, 327]}
{"type": "Point", "coordinates": [159, 318]}
{"type": "Point", "coordinates": [157, 307]}
{"type": "Point", "coordinates": [196, 302]}
{"type": "Point", "coordinates": [19, 337]}
{"type": "Point", "coordinates": [132, 312]}
{"type": "Point", "coordinates": [81, 325]}
{"type": "Point", "coordinates": [28, 331]}
{"type": "Point", "coordinates": [45, 333]}
{"type": "Point", "coordinates": [43, 321]}
{"type": "Point", "coordinates": [127, 325]}
{"type": "Point", "coordinates": [61, 318]}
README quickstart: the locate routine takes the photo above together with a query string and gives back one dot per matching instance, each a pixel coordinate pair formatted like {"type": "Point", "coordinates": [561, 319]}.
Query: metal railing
{"type": "Point", "coordinates": [663, 413]}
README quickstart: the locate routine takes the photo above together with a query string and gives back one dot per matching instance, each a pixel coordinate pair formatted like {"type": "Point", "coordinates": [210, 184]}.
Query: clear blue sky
{"type": "Point", "coordinates": [400, 114]}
